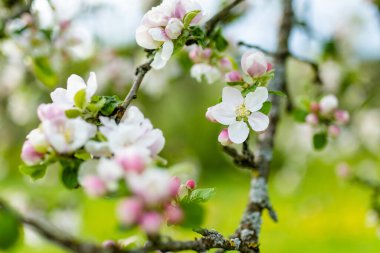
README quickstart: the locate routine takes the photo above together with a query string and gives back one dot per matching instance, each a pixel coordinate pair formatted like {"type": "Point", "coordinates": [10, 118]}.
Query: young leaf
{"type": "Point", "coordinates": [10, 227]}
{"type": "Point", "coordinates": [320, 140]}
{"type": "Point", "coordinates": [35, 171]}
{"type": "Point", "coordinates": [189, 17]}
{"type": "Point", "coordinates": [44, 71]}
{"type": "Point", "coordinates": [82, 155]}
{"type": "Point", "coordinates": [201, 195]}
{"type": "Point", "coordinates": [235, 83]}
{"type": "Point", "coordinates": [72, 113]}
{"type": "Point", "coordinates": [277, 93]}
{"type": "Point", "coordinates": [110, 104]}
{"type": "Point", "coordinates": [299, 115]}
{"type": "Point", "coordinates": [221, 43]}
{"type": "Point", "coordinates": [267, 106]}
{"type": "Point", "coordinates": [69, 174]}
{"type": "Point", "coordinates": [80, 98]}
{"type": "Point", "coordinates": [194, 215]}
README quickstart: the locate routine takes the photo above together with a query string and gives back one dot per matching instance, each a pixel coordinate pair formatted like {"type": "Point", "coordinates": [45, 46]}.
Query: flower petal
{"type": "Point", "coordinates": [59, 96]}
{"type": "Point", "coordinates": [157, 34]}
{"type": "Point", "coordinates": [144, 39]}
{"type": "Point", "coordinates": [163, 55]}
{"type": "Point", "coordinates": [92, 86]}
{"type": "Point", "coordinates": [258, 121]}
{"type": "Point", "coordinates": [224, 114]}
{"type": "Point", "coordinates": [238, 132]}
{"type": "Point", "coordinates": [75, 83]}
{"type": "Point", "coordinates": [232, 96]}
{"type": "Point", "coordinates": [254, 100]}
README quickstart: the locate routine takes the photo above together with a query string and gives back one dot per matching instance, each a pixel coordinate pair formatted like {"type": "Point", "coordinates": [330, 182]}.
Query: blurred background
{"type": "Point", "coordinates": [318, 211]}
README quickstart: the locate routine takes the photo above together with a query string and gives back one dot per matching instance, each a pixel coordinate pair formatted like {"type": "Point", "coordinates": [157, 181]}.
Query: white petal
{"type": "Point", "coordinates": [75, 83]}
{"type": "Point", "coordinates": [224, 113]}
{"type": "Point", "coordinates": [59, 96]}
{"type": "Point", "coordinates": [238, 132]}
{"type": "Point", "coordinates": [254, 100]}
{"type": "Point", "coordinates": [92, 86]}
{"type": "Point", "coordinates": [232, 96]}
{"type": "Point", "coordinates": [144, 39]}
{"type": "Point", "coordinates": [157, 34]}
{"type": "Point", "coordinates": [167, 50]}
{"type": "Point", "coordinates": [258, 121]}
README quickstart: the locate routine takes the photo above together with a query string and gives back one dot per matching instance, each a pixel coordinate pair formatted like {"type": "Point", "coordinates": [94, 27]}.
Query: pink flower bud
{"type": "Point", "coordinates": [343, 170]}
{"type": "Point", "coordinates": [174, 28]}
{"type": "Point", "coordinates": [312, 119]}
{"type": "Point", "coordinates": [174, 186]}
{"type": "Point", "coordinates": [50, 112]}
{"type": "Point", "coordinates": [190, 184]}
{"type": "Point", "coordinates": [133, 160]}
{"type": "Point", "coordinates": [334, 131]}
{"type": "Point", "coordinates": [269, 66]}
{"type": "Point", "coordinates": [314, 107]}
{"type": "Point", "coordinates": [233, 76]}
{"type": "Point", "coordinates": [195, 54]}
{"type": "Point", "coordinates": [254, 64]}
{"type": "Point", "coordinates": [29, 154]}
{"type": "Point", "coordinates": [129, 211]}
{"type": "Point", "coordinates": [223, 138]}
{"type": "Point", "coordinates": [209, 115]}
{"type": "Point", "coordinates": [206, 53]}
{"type": "Point", "coordinates": [151, 222]}
{"type": "Point", "coordinates": [109, 244]}
{"type": "Point", "coordinates": [94, 186]}
{"type": "Point", "coordinates": [342, 117]}
{"type": "Point", "coordinates": [226, 64]}
{"type": "Point", "coordinates": [174, 214]}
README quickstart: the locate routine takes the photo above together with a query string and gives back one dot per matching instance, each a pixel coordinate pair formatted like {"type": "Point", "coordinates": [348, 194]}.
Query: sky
{"type": "Point", "coordinates": [114, 22]}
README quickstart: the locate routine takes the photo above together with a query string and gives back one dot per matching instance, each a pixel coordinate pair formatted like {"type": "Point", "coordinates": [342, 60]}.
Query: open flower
{"type": "Point", "coordinates": [235, 111]}
{"type": "Point", "coordinates": [75, 84]}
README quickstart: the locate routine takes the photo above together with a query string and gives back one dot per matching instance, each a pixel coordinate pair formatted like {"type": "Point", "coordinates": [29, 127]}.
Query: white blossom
{"type": "Point", "coordinates": [236, 111]}
{"type": "Point", "coordinates": [202, 70]}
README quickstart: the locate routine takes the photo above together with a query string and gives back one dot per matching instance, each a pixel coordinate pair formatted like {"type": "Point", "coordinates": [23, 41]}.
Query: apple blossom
{"type": "Point", "coordinates": [209, 113]}
{"type": "Point", "coordinates": [151, 222]}
{"type": "Point", "coordinates": [75, 84]}
{"type": "Point", "coordinates": [133, 159]}
{"type": "Point", "coordinates": [197, 54]}
{"type": "Point", "coordinates": [94, 186]}
{"type": "Point", "coordinates": [314, 107]}
{"type": "Point", "coordinates": [161, 25]}
{"type": "Point", "coordinates": [328, 104]}
{"type": "Point", "coordinates": [223, 138]}
{"type": "Point", "coordinates": [334, 131]}
{"type": "Point", "coordinates": [98, 149]}
{"type": "Point", "coordinates": [254, 64]}
{"type": "Point", "coordinates": [233, 76]}
{"type": "Point", "coordinates": [174, 186]}
{"type": "Point", "coordinates": [203, 70]}
{"type": "Point", "coordinates": [129, 211]}
{"type": "Point", "coordinates": [225, 63]}
{"type": "Point", "coordinates": [312, 119]}
{"type": "Point", "coordinates": [174, 214]}
{"type": "Point", "coordinates": [67, 135]}
{"type": "Point", "coordinates": [50, 111]}
{"type": "Point", "coordinates": [235, 111]}
{"type": "Point", "coordinates": [38, 140]}
{"type": "Point", "coordinates": [29, 154]}
{"type": "Point", "coordinates": [152, 185]}
{"type": "Point", "coordinates": [342, 117]}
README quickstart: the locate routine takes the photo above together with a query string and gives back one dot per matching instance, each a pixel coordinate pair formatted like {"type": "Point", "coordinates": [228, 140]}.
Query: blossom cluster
{"type": "Point", "coordinates": [161, 27]}
{"type": "Point", "coordinates": [108, 158]}
{"type": "Point", "coordinates": [245, 108]}
{"type": "Point", "coordinates": [326, 116]}
{"type": "Point", "coordinates": [208, 64]}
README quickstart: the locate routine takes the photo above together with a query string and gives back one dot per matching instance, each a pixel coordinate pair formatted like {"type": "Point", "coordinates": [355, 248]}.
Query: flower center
{"type": "Point", "coordinates": [242, 112]}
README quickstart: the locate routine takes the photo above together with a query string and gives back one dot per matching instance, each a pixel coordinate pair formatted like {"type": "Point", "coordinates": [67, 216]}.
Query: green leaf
{"type": "Point", "coordinates": [43, 70]}
{"type": "Point", "coordinates": [72, 113]}
{"type": "Point", "coordinates": [299, 115]}
{"type": "Point", "coordinates": [267, 106]}
{"type": "Point", "coordinates": [248, 90]}
{"type": "Point", "coordinates": [194, 215]}
{"type": "Point", "coordinates": [35, 171]}
{"type": "Point", "coordinates": [235, 83]}
{"type": "Point", "coordinates": [110, 105]}
{"type": "Point", "coordinates": [277, 93]}
{"type": "Point", "coordinates": [82, 155]}
{"type": "Point", "coordinates": [221, 43]}
{"type": "Point", "coordinates": [189, 17]}
{"type": "Point", "coordinates": [80, 98]}
{"type": "Point", "coordinates": [320, 140]}
{"type": "Point", "coordinates": [10, 227]}
{"type": "Point", "coordinates": [69, 174]}
{"type": "Point", "coordinates": [200, 195]}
